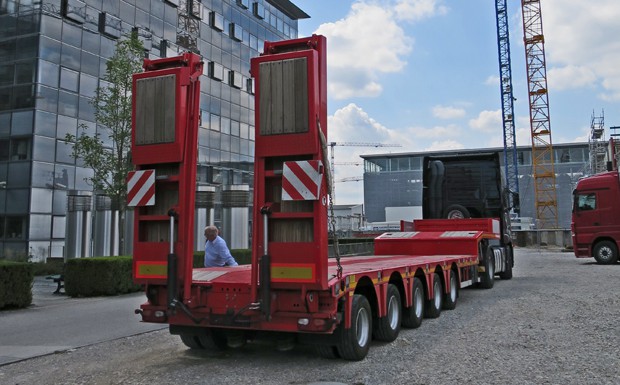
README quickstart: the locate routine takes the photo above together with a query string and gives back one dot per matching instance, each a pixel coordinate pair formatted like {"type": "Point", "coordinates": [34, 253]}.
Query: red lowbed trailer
{"type": "Point", "coordinates": [291, 291]}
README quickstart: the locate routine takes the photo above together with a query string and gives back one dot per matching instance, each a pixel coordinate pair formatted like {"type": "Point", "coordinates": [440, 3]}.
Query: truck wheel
{"type": "Point", "coordinates": [387, 328]}
{"type": "Point", "coordinates": [507, 273]}
{"type": "Point", "coordinates": [488, 278]}
{"type": "Point", "coordinates": [412, 316]}
{"type": "Point", "coordinates": [433, 305]}
{"type": "Point", "coordinates": [355, 341]}
{"type": "Point", "coordinates": [606, 252]}
{"type": "Point", "coordinates": [457, 212]}
{"type": "Point", "coordinates": [191, 341]}
{"type": "Point", "coordinates": [449, 298]}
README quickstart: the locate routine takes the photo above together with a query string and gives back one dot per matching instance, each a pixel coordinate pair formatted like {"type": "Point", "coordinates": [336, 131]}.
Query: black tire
{"type": "Point", "coordinates": [191, 341]}
{"type": "Point", "coordinates": [449, 298]}
{"type": "Point", "coordinates": [507, 273]}
{"type": "Point", "coordinates": [355, 341]}
{"type": "Point", "coordinates": [605, 252]}
{"type": "Point", "coordinates": [387, 328]}
{"type": "Point", "coordinates": [457, 212]}
{"type": "Point", "coordinates": [488, 277]}
{"type": "Point", "coordinates": [214, 339]}
{"type": "Point", "coordinates": [327, 351]}
{"type": "Point", "coordinates": [412, 316]}
{"type": "Point", "coordinates": [433, 305]}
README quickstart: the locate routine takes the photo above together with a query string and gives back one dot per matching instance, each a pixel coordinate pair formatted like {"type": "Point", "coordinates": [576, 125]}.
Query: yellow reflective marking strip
{"type": "Point", "coordinates": [151, 269]}
{"type": "Point", "coordinates": [293, 272]}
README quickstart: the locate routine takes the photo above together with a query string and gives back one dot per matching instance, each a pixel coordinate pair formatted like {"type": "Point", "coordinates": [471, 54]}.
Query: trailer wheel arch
{"type": "Point", "coordinates": [366, 288]}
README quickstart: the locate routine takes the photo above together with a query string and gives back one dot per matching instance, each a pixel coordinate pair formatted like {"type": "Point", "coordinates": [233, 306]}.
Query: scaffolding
{"type": "Point", "coordinates": [597, 144]}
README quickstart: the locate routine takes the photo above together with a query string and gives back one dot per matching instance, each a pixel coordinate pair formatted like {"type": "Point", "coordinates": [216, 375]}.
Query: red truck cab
{"type": "Point", "coordinates": [595, 222]}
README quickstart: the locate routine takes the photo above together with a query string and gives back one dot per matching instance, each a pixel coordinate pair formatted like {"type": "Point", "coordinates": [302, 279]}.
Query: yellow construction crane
{"type": "Point", "coordinates": [540, 124]}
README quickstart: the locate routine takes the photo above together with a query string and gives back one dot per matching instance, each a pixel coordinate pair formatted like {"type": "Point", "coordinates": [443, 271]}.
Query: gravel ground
{"type": "Point", "coordinates": [555, 322]}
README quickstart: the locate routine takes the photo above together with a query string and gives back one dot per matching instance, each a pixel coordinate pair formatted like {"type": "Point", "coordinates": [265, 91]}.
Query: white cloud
{"type": "Point", "coordinates": [448, 112]}
{"type": "Point", "coordinates": [492, 80]}
{"type": "Point", "coordinates": [488, 122]}
{"type": "Point", "coordinates": [570, 76]}
{"type": "Point", "coordinates": [580, 34]}
{"type": "Point", "coordinates": [415, 10]}
{"type": "Point", "coordinates": [369, 42]}
{"type": "Point", "coordinates": [444, 145]}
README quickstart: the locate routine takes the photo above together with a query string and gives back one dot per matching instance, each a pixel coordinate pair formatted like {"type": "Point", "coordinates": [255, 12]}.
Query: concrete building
{"type": "Point", "coordinates": [403, 174]}
{"type": "Point", "coordinates": [52, 56]}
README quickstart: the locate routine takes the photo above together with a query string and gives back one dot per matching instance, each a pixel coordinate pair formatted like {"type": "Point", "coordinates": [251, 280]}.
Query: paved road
{"type": "Point", "coordinates": [555, 322]}
{"type": "Point", "coordinates": [57, 323]}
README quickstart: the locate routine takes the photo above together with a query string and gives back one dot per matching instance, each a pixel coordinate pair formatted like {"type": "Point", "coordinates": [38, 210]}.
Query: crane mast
{"type": "Point", "coordinates": [542, 148]}
{"type": "Point", "coordinates": [505, 77]}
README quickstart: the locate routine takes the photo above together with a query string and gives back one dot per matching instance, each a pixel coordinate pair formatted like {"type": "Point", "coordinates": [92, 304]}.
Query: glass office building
{"type": "Point", "coordinates": [53, 54]}
{"type": "Point", "coordinates": [403, 173]}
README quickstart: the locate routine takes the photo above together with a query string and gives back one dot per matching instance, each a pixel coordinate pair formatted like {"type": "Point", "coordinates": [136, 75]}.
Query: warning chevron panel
{"type": "Point", "coordinates": [141, 188]}
{"type": "Point", "coordinates": [302, 180]}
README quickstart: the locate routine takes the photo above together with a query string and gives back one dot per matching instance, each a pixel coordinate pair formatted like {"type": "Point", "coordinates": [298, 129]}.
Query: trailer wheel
{"type": "Point", "coordinates": [433, 305]}
{"type": "Point", "coordinates": [412, 316]}
{"type": "Point", "coordinates": [605, 253]}
{"type": "Point", "coordinates": [507, 273]}
{"type": "Point", "coordinates": [190, 340]}
{"type": "Point", "coordinates": [355, 341]}
{"type": "Point", "coordinates": [488, 278]}
{"type": "Point", "coordinates": [449, 298]}
{"type": "Point", "coordinates": [457, 212]}
{"type": "Point", "coordinates": [387, 328]}
{"type": "Point", "coordinates": [214, 339]}
{"type": "Point", "coordinates": [327, 351]}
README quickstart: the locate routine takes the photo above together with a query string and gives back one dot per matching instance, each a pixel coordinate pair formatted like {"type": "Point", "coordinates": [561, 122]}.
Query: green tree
{"type": "Point", "coordinates": [112, 105]}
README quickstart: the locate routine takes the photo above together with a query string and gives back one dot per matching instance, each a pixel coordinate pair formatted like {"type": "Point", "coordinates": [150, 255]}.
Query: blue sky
{"type": "Point", "coordinates": [424, 74]}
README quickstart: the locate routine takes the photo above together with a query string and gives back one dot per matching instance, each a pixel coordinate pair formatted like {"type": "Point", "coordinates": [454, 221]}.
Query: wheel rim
{"type": "Point", "coordinates": [605, 253]}
{"type": "Point", "coordinates": [362, 326]}
{"type": "Point", "coordinates": [455, 214]}
{"type": "Point", "coordinates": [417, 297]}
{"type": "Point", "coordinates": [393, 309]}
{"type": "Point", "coordinates": [452, 287]}
{"type": "Point", "coordinates": [437, 290]}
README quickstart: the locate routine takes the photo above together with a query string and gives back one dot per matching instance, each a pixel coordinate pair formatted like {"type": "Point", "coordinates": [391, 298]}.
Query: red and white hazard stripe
{"type": "Point", "coordinates": [302, 180]}
{"type": "Point", "coordinates": [141, 188]}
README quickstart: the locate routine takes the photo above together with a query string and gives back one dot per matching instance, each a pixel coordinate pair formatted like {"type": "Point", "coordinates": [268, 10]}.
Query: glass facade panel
{"type": "Point", "coordinates": [59, 203]}
{"type": "Point", "coordinates": [41, 201]}
{"type": "Point", "coordinates": [43, 149]}
{"type": "Point", "coordinates": [67, 103]}
{"type": "Point", "coordinates": [7, 74]}
{"type": "Point", "coordinates": [66, 125]}
{"type": "Point", "coordinates": [81, 178]}
{"type": "Point", "coordinates": [19, 174]}
{"type": "Point", "coordinates": [48, 73]}
{"type": "Point", "coordinates": [58, 227]}
{"type": "Point", "coordinates": [17, 200]}
{"type": "Point", "coordinates": [45, 124]}
{"type": "Point", "coordinates": [25, 72]}
{"type": "Point", "coordinates": [40, 226]}
{"type": "Point", "coordinates": [49, 49]}
{"type": "Point", "coordinates": [64, 177]}
{"type": "Point", "coordinates": [47, 99]}
{"type": "Point", "coordinates": [22, 123]}
{"type": "Point", "coordinates": [63, 152]}
{"type": "Point", "coordinates": [69, 79]}
{"type": "Point", "coordinates": [5, 125]}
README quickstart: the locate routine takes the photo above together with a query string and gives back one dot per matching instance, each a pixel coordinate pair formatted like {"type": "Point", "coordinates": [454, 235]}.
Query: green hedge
{"type": "Point", "coordinates": [16, 280]}
{"type": "Point", "coordinates": [87, 277]}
